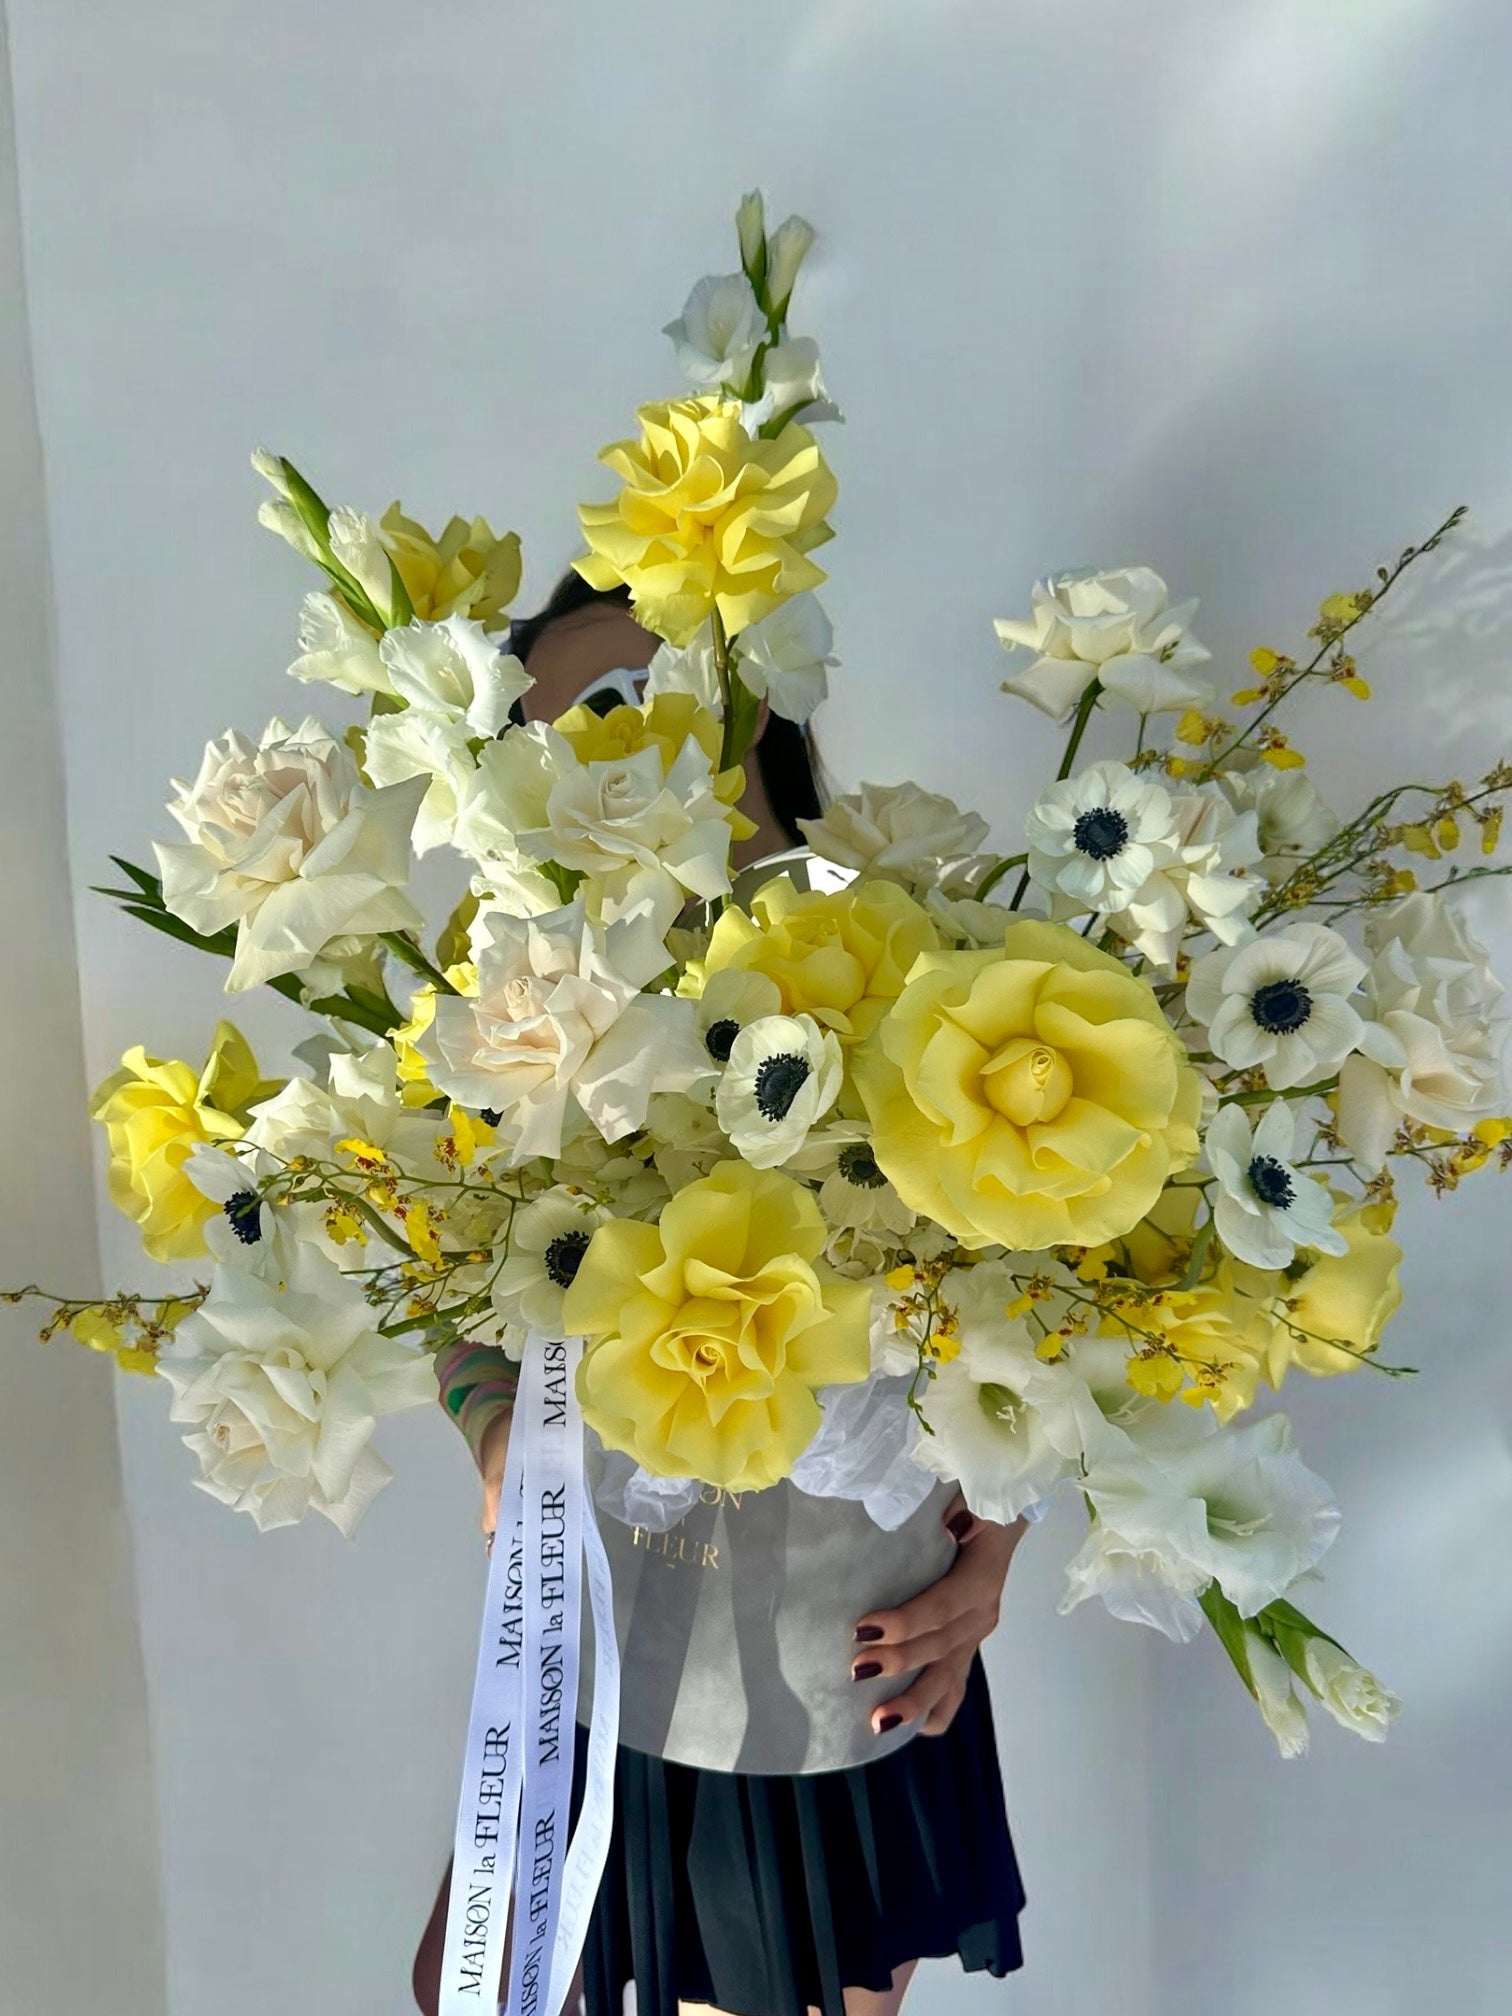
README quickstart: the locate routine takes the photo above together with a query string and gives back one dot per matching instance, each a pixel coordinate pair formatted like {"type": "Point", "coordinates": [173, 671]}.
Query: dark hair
{"type": "Point", "coordinates": [785, 756]}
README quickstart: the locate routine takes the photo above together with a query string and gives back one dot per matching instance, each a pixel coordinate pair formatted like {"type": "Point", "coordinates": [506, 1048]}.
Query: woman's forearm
{"type": "Point", "coordinates": [478, 1383]}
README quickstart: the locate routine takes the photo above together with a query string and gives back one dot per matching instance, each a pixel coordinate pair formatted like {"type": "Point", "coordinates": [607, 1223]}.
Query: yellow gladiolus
{"type": "Point", "coordinates": [708, 518]}
{"type": "Point", "coordinates": [466, 572]}
{"type": "Point", "coordinates": [155, 1112]}
{"type": "Point", "coordinates": [841, 956]}
{"type": "Point", "coordinates": [710, 1331]}
{"type": "Point", "coordinates": [1029, 1097]}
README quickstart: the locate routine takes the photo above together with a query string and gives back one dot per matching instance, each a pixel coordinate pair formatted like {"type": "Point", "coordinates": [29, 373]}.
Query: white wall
{"type": "Point", "coordinates": [80, 1913]}
{"type": "Point", "coordinates": [1222, 286]}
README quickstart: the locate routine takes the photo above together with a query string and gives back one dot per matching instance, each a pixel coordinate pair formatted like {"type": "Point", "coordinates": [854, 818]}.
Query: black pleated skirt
{"type": "Point", "coordinates": [769, 1896]}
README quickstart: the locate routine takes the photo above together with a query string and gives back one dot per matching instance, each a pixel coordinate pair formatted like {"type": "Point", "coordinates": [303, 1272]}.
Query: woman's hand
{"type": "Point", "coordinates": [940, 1629]}
{"type": "Point", "coordinates": [491, 1462]}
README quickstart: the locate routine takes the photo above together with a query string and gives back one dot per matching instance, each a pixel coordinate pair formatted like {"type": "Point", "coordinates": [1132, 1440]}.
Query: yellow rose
{"type": "Point", "coordinates": [708, 518]}
{"type": "Point", "coordinates": [1351, 1296]}
{"type": "Point", "coordinates": [155, 1113]}
{"type": "Point", "coordinates": [411, 1068]}
{"type": "Point", "coordinates": [1029, 1097]}
{"type": "Point", "coordinates": [709, 1331]}
{"type": "Point", "coordinates": [841, 956]}
{"type": "Point", "coordinates": [467, 571]}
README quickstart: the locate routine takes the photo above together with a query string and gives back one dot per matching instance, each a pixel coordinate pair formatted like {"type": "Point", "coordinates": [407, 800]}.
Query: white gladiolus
{"type": "Point", "coordinates": [688, 669]}
{"type": "Point", "coordinates": [1116, 627]}
{"type": "Point", "coordinates": [454, 670]}
{"type": "Point", "coordinates": [1431, 1048]}
{"type": "Point", "coordinates": [1239, 1508]}
{"type": "Point", "coordinates": [1276, 1695]}
{"type": "Point", "coordinates": [783, 659]}
{"type": "Point", "coordinates": [359, 548]}
{"type": "Point", "coordinates": [1352, 1695]}
{"type": "Point", "coordinates": [719, 331]}
{"type": "Point", "coordinates": [281, 1383]}
{"type": "Point", "coordinates": [787, 248]}
{"type": "Point", "coordinates": [287, 844]}
{"type": "Point", "coordinates": [1281, 1002]}
{"type": "Point", "coordinates": [336, 649]}
{"type": "Point", "coordinates": [792, 385]}
{"type": "Point", "coordinates": [896, 831]}
{"type": "Point", "coordinates": [397, 747]}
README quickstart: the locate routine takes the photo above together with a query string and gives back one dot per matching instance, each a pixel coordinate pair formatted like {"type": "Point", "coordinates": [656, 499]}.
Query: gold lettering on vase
{"type": "Point", "coordinates": [675, 1547]}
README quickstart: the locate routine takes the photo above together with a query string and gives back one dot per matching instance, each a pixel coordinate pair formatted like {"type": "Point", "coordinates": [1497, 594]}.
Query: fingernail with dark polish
{"type": "Point", "coordinates": [867, 1670]}
{"type": "Point", "coordinates": [960, 1526]}
{"type": "Point", "coordinates": [888, 1722]}
{"type": "Point", "coordinates": [868, 1634]}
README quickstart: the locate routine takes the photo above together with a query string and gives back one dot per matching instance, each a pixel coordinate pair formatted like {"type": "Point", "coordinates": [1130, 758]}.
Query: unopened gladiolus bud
{"type": "Point", "coordinates": [271, 469]}
{"type": "Point", "coordinates": [276, 515]}
{"type": "Point", "coordinates": [787, 251]}
{"type": "Point", "coordinates": [750, 222]}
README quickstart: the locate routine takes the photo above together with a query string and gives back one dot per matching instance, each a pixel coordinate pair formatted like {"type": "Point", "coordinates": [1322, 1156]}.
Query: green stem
{"type": "Point", "coordinates": [726, 696]}
{"type": "Point", "coordinates": [1084, 707]}
{"type": "Point", "coordinates": [415, 959]}
{"type": "Point", "coordinates": [996, 873]}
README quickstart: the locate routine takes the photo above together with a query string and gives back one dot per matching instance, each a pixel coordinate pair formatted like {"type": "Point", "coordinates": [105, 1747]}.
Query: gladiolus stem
{"type": "Point", "coordinates": [415, 959]}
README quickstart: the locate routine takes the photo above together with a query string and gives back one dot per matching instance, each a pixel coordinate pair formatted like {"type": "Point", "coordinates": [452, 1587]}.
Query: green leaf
{"type": "Point", "coordinates": [146, 882]}
{"type": "Point", "coordinates": [1229, 1626]}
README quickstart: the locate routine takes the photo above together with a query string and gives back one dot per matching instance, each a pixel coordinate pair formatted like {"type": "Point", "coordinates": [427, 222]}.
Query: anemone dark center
{"type": "Point", "coordinates": [858, 1165]}
{"type": "Point", "coordinates": [564, 1256]}
{"type": "Point", "coordinates": [1271, 1181]}
{"type": "Point", "coordinates": [1280, 1007]}
{"type": "Point", "coordinates": [779, 1080]}
{"type": "Point", "coordinates": [490, 1116]}
{"type": "Point", "coordinates": [244, 1211]}
{"type": "Point", "coordinates": [719, 1038]}
{"type": "Point", "coordinates": [1101, 833]}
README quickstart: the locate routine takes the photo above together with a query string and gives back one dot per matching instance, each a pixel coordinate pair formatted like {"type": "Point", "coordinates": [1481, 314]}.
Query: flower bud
{"type": "Point", "coordinates": [786, 252]}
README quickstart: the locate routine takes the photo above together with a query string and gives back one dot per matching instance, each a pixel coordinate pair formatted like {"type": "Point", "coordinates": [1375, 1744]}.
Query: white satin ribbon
{"type": "Point", "coordinates": [514, 1810]}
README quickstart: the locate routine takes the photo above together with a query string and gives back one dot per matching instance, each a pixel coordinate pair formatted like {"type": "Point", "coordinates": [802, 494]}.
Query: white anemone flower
{"type": "Point", "coordinates": [1266, 1207]}
{"type": "Point", "coordinates": [1207, 884]}
{"type": "Point", "coordinates": [281, 1383]}
{"type": "Point", "coordinates": [336, 649]}
{"type": "Point", "coordinates": [1097, 839]}
{"type": "Point", "coordinates": [547, 1241]}
{"type": "Point", "coordinates": [286, 843]}
{"type": "Point", "coordinates": [719, 331]}
{"type": "Point", "coordinates": [560, 1016]}
{"type": "Point", "coordinates": [784, 1075]}
{"type": "Point", "coordinates": [1431, 1050]}
{"type": "Point", "coordinates": [854, 1195]}
{"type": "Point", "coordinates": [1116, 627]}
{"type": "Point", "coordinates": [1281, 1002]}
{"type": "Point", "coordinates": [454, 669]}
{"type": "Point", "coordinates": [730, 1001]}
{"type": "Point", "coordinates": [896, 831]}
{"type": "Point", "coordinates": [245, 1231]}
{"type": "Point", "coordinates": [1239, 1508]}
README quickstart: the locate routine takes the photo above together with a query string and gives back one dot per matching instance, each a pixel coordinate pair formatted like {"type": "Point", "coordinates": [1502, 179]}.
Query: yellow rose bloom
{"type": "Point", "coordinates": [708, 518]}
{"type": "Point", "coordinates": [1351, 1296]}
{"type": "Point", "coordinates": [709, 1331]}
{"type": "Point", "coordinates": [467, 571]}
{"type": "Point", "coordinates": [155, 1112]}
{"type": "Point", "coordinates": [1029, 1097]}
{"type": "Point", "coordinates": [842, 956]}
{"type": "Point", "coordinates": [666, 723]}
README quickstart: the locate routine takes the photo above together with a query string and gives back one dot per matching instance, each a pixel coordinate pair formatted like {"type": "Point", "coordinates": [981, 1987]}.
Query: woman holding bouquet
{"type": "Point", "coordinates": [762, 1893]}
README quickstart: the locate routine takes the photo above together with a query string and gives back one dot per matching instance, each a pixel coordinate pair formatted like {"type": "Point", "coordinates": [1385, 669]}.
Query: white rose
{"type": "Point", "coordinates": [1353, 1696]}
{"type": "Point", "coordinates": [281, 1382]}
{"type": "Point", "coordinates": [1115, 627]}
{"type": "Point", "coordinates": [1431, 1049]}
{"type": "Point", "coordinates": [360, 1100]}
{"type": "Point", "coordinates": [336, 649]}
{"type": "Point", "coordinates": [896, 831]}
{"type": "Point", "coordinates": [286, 843]}
{"type": "Point", "coordinates": [559, 1015]}
{"type": "Point", "coordinates": [719, 331]}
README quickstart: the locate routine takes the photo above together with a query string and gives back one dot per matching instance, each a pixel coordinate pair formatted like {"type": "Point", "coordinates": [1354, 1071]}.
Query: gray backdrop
{"type": "Point", "coordinates": [1221, 285]}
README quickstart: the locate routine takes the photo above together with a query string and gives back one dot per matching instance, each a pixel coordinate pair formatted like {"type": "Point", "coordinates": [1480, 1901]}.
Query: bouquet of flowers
{"type": "Point", "coordinates": [1061, 1161]}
